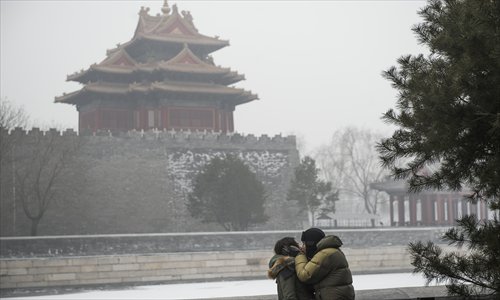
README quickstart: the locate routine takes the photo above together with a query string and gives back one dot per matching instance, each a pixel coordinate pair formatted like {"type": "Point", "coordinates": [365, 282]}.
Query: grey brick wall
{"type": "Point", "coordinates": [168, 267]}
{"type": "Point", "coordinates": [173, 267]}
{"type": "Point", "coordinates": [138, 182]}
{"type": "Point", "coordinates": [88, 245]}
{"type": "Point", "coordinates": [151, 258]}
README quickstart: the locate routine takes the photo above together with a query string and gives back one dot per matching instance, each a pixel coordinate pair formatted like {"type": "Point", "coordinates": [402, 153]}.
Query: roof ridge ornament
{"type": "Point", "coordinates": [143, 11]}
{"type": "Point", "coordinates": [165, 9]}
{"type": "Point", "coordinates": [186, 14]}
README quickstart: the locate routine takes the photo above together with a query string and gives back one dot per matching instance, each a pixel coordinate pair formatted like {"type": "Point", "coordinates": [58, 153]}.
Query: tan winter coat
{"type": "Point", "coordinates": [328, 271]}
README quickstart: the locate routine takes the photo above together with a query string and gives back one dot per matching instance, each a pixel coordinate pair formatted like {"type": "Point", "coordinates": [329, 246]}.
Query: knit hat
{"type": "Point", "coordinates": [312, 235]}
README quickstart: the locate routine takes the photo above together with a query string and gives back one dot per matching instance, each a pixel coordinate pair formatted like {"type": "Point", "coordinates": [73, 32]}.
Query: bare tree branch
{"type": "Point", "coordinates": [349, 160]}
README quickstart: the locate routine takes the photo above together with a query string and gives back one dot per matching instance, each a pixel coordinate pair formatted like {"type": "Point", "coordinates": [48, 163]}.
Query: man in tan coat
{"type": "Point", "coordinates": [324, 265]}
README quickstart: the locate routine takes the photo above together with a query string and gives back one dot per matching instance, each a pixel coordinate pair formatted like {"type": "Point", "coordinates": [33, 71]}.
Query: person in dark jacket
{"type": "Point", "coordinates": [282, 269]}
{"type": "Point", "coordinates": [324, 265]}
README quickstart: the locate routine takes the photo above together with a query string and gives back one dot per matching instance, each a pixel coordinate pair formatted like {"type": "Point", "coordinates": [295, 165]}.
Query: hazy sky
{"type": "Point", "coordinates": [316, 65]}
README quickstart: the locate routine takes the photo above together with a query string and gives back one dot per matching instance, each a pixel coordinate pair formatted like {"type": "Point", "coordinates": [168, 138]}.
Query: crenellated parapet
{"type": "Point", "coordinates": [37, 132]}
{"type": "Point", "coordinates": [171, 138]}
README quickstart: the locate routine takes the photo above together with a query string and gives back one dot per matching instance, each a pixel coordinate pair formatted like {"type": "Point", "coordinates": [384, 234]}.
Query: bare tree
{"type": "Point", "coordinates": [350, 161]}
{"type": "Point", "coordinates": [11, 116]}
{"type": "Point", "coordinates": [33, 167]}
{"type": "Point", "coordinates": [40, 171]}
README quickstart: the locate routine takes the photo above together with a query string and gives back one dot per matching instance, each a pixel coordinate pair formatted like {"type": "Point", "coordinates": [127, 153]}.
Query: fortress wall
{"type": "Point", "coordinates": [137, 182]}
{"type": "Point", "coordinates": [175, 267]}
{"type": "Point", "coordinates": [123, 244]}
{"type": "Point", "coordinates": [165, 258]}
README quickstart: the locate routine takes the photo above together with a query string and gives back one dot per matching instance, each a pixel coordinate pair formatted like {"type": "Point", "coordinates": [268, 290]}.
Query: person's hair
{"type": "Point", "coordinates": [283, 243]}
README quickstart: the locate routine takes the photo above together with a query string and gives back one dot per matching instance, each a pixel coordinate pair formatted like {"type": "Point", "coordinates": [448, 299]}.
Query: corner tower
{"type": "Point", "coordinates": [163, 78]}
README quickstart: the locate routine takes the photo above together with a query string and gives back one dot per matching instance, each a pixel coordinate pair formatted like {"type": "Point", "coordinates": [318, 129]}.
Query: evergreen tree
{"type": "Point", "coordinates": [227, 192]}
{"type": "Point", "coordinates": [448, 117]}
{"type": "Point", "coordinates": [311, 192]}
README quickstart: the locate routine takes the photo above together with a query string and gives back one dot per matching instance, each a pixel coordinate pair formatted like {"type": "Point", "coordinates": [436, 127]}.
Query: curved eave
{"type": "Point", "coordinates": [201, 40]}
{"type": "Point", "coordinates": [197, 88]}
{"type": "Point", "coordinates": [192, 69]}
{"type": "Point", "coordinates": [247, 97]}
{"type": "Point", "coordinates": [74, 97]}
{"type": "Point", "coordinates": [225, 77]}
{"type": "Point", "coordinates": [232, 78]}
{"type": "Point", "coordinates": [119, 47]}
{"type": "Point", "coordinates": [198, 67]}
{"type": "Point", "coordinates": [236, 95]}
{"type": "Point", "coordinates": [108, 88]}
{"type": "Point", "coordinates": [398, 186]}
{"type": "Point", "coordinates": [69, 98]}
{"type": "Point", "coordinates": [87, 74]}
{"type": "Point", "coordinates": [209, 44]}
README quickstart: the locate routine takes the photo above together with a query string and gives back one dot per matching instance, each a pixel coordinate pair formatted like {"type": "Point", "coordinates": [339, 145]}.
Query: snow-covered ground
{"type": "Point", "coordinates": [232, 288]}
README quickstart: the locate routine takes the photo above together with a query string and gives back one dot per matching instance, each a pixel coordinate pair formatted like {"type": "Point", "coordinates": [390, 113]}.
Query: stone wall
{"type": "Point", "coordinates": [172, 267]}
{"type": "Point", "coordinates": [63, 271]}
{"type": "Point", "coordinates": [152, 258]}
{"type": "Point", "coordinates": [122, 244]}
{"type": "Point", "coordinates": [138, 182]}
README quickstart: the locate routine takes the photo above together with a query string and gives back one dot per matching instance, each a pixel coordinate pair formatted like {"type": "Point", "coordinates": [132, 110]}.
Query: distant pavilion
{"type": "Point", "coordinates": [427, 208]}
{"type": "Point", "coordinates": [163, 78]}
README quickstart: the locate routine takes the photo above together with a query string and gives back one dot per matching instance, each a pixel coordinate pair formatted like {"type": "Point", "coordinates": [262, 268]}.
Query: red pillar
{"type": "Point", "coordinates": [231, 122]}
{"type": "Point", "coordinates": [401, 210]}
{"type": "Point", "coordinates": [440, 210]}
{"type": "Point", "coordinates": [425, 209]}
{"type": "Point", "coordinates": [164, 118]}
{"type": "Point", "coordinates": [80, 125]}
{"type": "Point", "coordinates": [464, 207]}
{"type": "Point", "coordinates": [456, 203]}
{"type": "Point", "coordinates": [413, 210]}
{"type": "Point", "coordinates": [97, 119]}
{"type": "Point", "coordinates": [473, 208]}
{"type": "Point", "coordinates": [157, 118]}
{"type": "Point", "coordinates": [428, 211]}
{"type": "Point", "coordinates": [217, 120]}
{"type": "Point", "coordinates": [143, 115]}
{"type": "Point", "coordinates": [391, 208]}
{"type": "Point", "coordinates": [224, 120]}
{"type": "Point", "coordinates": [484, 211]}
{"type": "Point", "coordinates": [451, 211]}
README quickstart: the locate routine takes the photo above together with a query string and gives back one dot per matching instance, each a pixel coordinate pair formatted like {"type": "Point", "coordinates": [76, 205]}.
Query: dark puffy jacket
{"type": "Point", "coordinates": [282, 268]}
{"type": "Point", "coordinates": [328, 271]}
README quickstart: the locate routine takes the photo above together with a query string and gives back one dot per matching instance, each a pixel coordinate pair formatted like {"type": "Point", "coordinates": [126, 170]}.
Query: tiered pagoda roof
{"type": "Point", "coordinates": [182, 66]}
{"type": "Point", "coordinates": [173, 28]}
